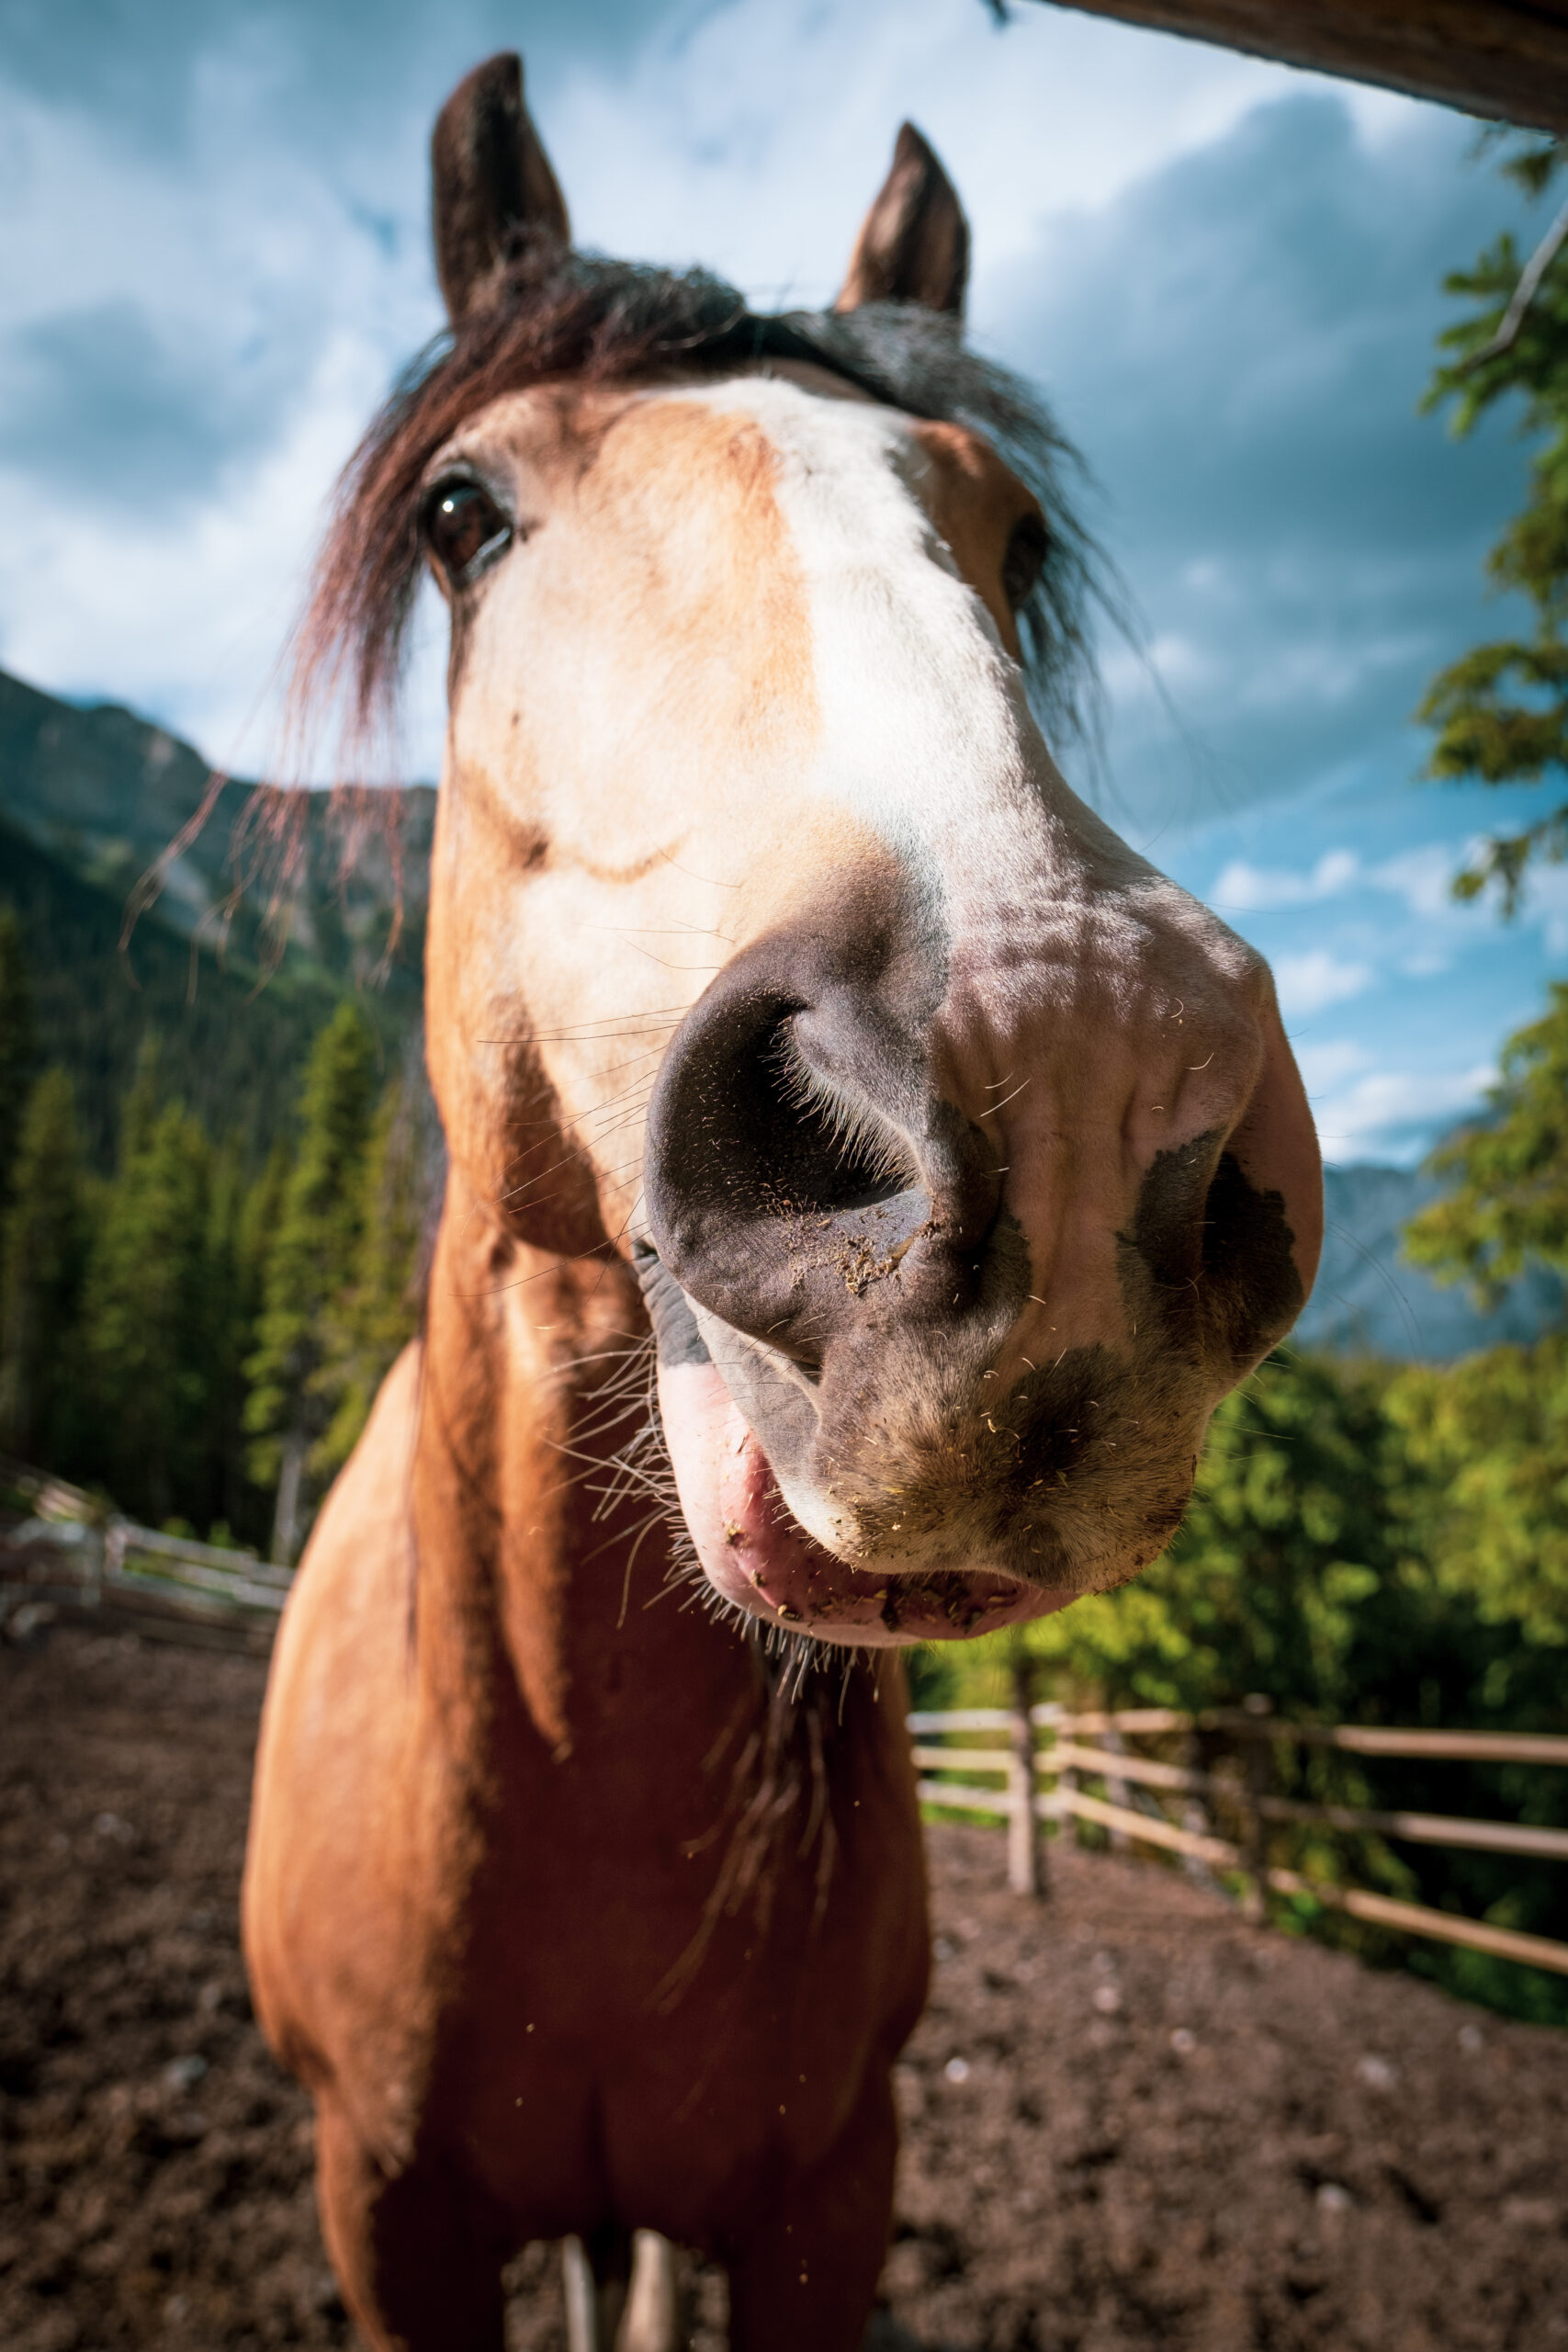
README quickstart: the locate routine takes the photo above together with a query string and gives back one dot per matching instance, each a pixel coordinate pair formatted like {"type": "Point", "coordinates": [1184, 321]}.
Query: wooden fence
{"type": "Point", "coordinates": [1038, 1777]}
{"type": "Point", "coordinates": [72, 1556]}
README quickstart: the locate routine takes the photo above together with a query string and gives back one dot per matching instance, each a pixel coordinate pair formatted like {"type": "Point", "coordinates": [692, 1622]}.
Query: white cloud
{"type": "Point", "coordinates": [754, 139]}
{"type": "Point", "coordinates": [1546, 903]}
{"type": "Point", "coordinates": [749, 134]}
{"type": "Point", "coordinates": [1181, 660]}
{"type": "Point", "coordinates": [1326, 669]}
{"type": "Point", "coordinates": [1392, 1113]}
{"type": "Point", "coordinates": [1327, 1064]}
{"type": "Point", "coordinates": [1241, 889]}
{"type": "Point", "coordinates": [1422, 877]}
{"type": "Point", "coordinates": [1316, 977]}
{"type": "Point", "coordinates": [198, 609]}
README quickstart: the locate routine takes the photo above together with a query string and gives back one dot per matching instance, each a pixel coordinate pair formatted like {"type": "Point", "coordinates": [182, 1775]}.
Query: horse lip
{"type": "Point", "coordinates": [758, 1556]}
{"type": "Point", "coordinates": [753, 1547]}
{"type": "Point", "coordinates": [773, 1522]}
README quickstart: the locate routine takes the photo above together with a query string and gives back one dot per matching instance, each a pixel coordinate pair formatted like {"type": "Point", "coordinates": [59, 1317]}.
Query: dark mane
{"type": "Point", "coordinates": [562, 313]}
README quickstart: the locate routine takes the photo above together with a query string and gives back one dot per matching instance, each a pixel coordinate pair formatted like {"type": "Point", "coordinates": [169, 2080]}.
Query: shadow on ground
{"type": "Point", "coordinates": [1130, 2121]}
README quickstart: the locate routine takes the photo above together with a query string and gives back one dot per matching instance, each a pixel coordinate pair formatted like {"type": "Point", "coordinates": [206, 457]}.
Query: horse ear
{"type": "Point", "coordinates": [490, 176]}
{"type": "Point", "coordinates": [914, 243]}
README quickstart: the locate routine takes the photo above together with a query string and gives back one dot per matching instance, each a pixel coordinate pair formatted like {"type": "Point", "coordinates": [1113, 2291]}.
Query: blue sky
{"type": "Point", "coordinates": [213, 258]}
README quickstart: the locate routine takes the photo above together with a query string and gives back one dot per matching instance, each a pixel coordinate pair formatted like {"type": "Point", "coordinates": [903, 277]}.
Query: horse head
{"type": "Point", "coordinates": [960, 1153]}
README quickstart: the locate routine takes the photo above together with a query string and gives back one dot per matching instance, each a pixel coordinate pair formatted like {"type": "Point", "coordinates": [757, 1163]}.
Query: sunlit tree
{"type": "Point", "coordinates": [1286, 1541]}
{"type": "Point", "coordinates": [1507, 1206]}
{"type": "Point", "coordinates": [310, 1263]}
{"type": "Point", "coordinates": [379, 1310]}
{"type": "Point", "coordinates": [1500, 711]}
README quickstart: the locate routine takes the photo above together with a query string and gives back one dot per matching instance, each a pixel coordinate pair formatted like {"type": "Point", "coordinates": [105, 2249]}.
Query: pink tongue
{"type": "Point", "coordinates": [750, 1546]}
{"type": "Point", "coordinates": [758, 1554]}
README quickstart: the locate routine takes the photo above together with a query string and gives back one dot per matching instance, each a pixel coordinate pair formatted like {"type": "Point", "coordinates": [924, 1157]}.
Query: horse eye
{"type": "Point", "coordinates": [1025, 560]}
{"type": "Point", "coordinates": [462, 522]}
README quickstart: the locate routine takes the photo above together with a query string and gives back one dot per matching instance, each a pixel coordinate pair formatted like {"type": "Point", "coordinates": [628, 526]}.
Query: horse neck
{"type": "Point", "coordinates": [516, 1543]}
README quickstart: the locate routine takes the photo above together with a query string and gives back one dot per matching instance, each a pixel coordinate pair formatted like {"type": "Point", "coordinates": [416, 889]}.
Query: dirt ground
{"type": "Point", "coordinates": [1130, 2120]}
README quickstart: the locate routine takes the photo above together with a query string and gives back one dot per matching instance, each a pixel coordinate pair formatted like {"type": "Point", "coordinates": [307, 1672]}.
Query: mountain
{"type": "Point", "coordinates": [1368, 1302]}
{"type": "Point", "coordinates": [249, 930]}
{"type": "Point", "coordinates": [91, 800]}
{"type": "Point", "coordinates": [112, 797]}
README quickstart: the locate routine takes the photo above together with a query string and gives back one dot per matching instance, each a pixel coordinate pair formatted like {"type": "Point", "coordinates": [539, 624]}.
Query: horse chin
{"type": "Point", "coordinates": [756, 1554]}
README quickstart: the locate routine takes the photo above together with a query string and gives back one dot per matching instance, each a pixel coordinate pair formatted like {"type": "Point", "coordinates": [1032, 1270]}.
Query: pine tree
{"type": "Point", "coordinates": [1509, 1207]}
{"type": "Point", "coordinates": [19, 1046]}
{"type": "Point", "coordinates": [138, 1106]}
{"type": "Point", "coordinates": [1491, 1435]}
{"type": "Point", "coordinates": [311, 1264]}
{"type": "Point", "coordinates": [151, 1336]}
{"type": "Point", "coordinates": [45, 1254]}
{"type": "Point", "coordinates": [1493, 1432]}
{"type": "Point", "coordinates": [232, 1300]}
{"type": "Point", "coordinates": [380, 1312]}
{"type": "Point", "coordinates": [1289, 1534]}
{"type": "Point", "coordinates": [1501, 711]}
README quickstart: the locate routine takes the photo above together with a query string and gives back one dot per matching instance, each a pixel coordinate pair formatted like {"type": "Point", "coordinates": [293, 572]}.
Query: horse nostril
{"type": "Point", "coordinates": [830, 1149]}
{"type": "Point", "coordinates": [741, 1124]}
{"type": "Point", "coordinates": [799, 1176]}
{"type": "Point", "coordinates": [1219, 1251]}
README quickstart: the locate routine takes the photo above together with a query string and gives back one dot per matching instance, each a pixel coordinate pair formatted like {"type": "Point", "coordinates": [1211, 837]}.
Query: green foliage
{"type": "Point", "coordinates": [260, 1210]}
{"type": "Point", "coordinates": [1501, 712]}
{"type": "Point", "coordinates": [231, 1050]}
{"type": "Point", "coordinates": [151, 1331]}
{"type": "Point", "coordinates": [379, 1311]}
{"type": "Point", "coordinates": [18, 1044]}
{"type": "Point", "coordinates": [935, 1674]}
{"type": "Point", "coordinates": [1285, 1540]}
{"type": "Point", "coordinates": [1364, 1546]}
{"type": "Point", "coordinates": [1509, 1207]}
{"type": "Point", "coordinates": [164, 1333]}
{"type": "Point", "coordinates": [314, 1250]}
{"type": "Point", "coordinates": [1487, 1440]}
{"type": "Point", "coordinates": [45, 1255]}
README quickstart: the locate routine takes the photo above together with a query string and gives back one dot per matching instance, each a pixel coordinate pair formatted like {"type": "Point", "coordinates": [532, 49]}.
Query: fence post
{"type": "Point", "coordinates": [1259, 1763]}
{"type": "Point", "coordinates": [286, 1518]}
{"type": "Point", "coordinates": [1066, 1785]}
{"type": "Point", "coordinates": [111, 1557]}
{"type": "Point", "coordinates": [1116, 1792]}
{"type": "Point", "coordinates": [1026, 1873]}
{"type": "Point", "coordinates": [1196, 1818]}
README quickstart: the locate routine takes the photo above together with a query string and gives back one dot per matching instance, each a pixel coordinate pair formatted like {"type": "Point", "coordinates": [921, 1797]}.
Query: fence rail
{"type": "Point", "coordinates": [73, 1555]}
{"type": "Point", "coordinates": [1092, 1745]}
{"type": "Point", "coordinates": [70, 1554]}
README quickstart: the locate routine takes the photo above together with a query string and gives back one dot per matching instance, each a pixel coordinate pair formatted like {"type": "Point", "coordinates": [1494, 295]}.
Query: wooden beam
{"type": "Point", "coordinates": [1418, 1919]}
{"type": "Point", "coordinates": [1375, 1739]}
{"type": "Point", "coordinates": [1142, 1829]}
{"type": "Point", "coordinates": [1506, 59]}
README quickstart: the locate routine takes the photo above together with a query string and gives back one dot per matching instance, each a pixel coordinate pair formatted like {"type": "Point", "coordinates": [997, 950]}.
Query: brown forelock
{"type": "Point", "coordinates": [557, 313]}
{"type": "Point", "coordinates": [552, 316]}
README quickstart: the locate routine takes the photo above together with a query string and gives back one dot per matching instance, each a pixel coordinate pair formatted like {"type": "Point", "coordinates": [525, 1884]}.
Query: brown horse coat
{"type": "Point", "coordinates": [485, 1904]}
{"type": "Point", "coordinates": [780, 993]}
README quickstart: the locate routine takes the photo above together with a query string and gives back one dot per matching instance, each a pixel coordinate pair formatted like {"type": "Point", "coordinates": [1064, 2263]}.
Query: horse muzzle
{"type": "Point", "coordinates": [870, 1442]}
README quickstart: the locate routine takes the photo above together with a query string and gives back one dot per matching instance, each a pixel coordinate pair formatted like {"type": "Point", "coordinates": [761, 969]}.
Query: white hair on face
{"type": "Point", "coordinates": [929, 735]}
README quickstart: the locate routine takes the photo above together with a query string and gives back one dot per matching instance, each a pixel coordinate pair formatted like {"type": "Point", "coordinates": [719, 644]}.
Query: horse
{"type": "Point", "coordinates": [865, 1176]}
